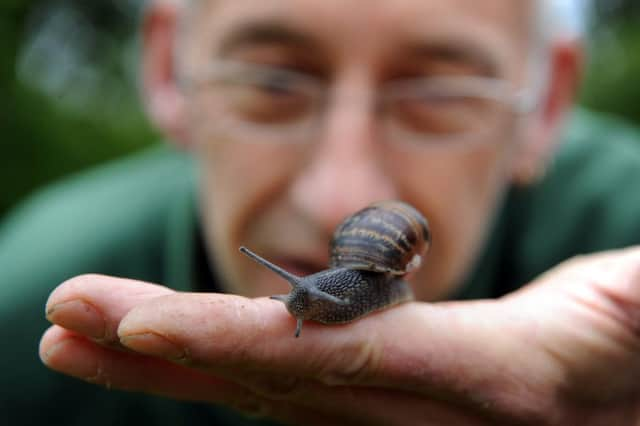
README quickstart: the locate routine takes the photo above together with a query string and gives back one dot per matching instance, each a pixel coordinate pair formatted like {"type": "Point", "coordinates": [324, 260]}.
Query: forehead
{"type": "Point", "coordinates": [366, 26]}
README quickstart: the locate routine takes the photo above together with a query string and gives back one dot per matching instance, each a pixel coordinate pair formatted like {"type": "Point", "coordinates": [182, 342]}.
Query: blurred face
{"type": "Point", "coordinates": [282, 194]}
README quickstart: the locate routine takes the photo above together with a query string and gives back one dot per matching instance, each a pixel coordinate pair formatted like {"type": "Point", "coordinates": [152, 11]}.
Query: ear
{"type": "Point", "coordinates": [543, 132]}
{"type": "Point", "coordinates": [162, 95]}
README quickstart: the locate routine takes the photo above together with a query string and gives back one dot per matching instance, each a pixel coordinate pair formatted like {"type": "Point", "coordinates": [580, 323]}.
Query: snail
{"type": "Point", "coordinates": [370, 252]}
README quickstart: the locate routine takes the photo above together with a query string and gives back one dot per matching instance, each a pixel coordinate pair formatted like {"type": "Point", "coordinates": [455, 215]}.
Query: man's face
{"type": "Point", "coordinates": [283, 200]}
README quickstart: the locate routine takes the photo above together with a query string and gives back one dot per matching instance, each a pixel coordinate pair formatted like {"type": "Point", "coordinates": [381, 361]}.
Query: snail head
{"type": "Point", "coordinates": [305, 299]}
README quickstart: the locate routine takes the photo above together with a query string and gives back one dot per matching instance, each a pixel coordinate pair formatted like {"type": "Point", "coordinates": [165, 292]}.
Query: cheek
{"type": "Point", "coordinates": [458, 191]}
{"type": "Point", "coordinates": [238, 182]}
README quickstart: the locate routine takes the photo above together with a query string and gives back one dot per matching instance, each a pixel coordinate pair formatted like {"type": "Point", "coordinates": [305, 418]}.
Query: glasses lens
{"type": "Point", "coordinates": [438, 115]}
{"type": "Point", "coordinates": [254, 103]}
{"type": "Point", "coordinates": [264, 102]}
{"type": "Point", "coordinates": [258, 104]}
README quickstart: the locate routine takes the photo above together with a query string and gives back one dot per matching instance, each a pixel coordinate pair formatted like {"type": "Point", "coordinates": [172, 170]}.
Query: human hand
{"type": "Point", "coordinates": [564, 350]}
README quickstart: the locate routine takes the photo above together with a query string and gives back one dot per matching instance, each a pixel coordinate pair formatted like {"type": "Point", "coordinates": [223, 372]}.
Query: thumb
{"type": "Point", "coordinates": [589, 310]}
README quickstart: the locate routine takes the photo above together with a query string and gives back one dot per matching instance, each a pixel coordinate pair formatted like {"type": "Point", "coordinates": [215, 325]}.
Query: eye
{"type": "Point", "coordinates": [270, 96]}
{"type": "Point", "coordinates": [433, 114]}
{"type": "Point", "coordinates": [441, 111]}
{"type": "Point", "coordinates": [276, 83]}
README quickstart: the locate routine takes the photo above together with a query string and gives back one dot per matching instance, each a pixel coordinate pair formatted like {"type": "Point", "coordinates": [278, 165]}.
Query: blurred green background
{"type": "Point", "coordinates": [68, 82]}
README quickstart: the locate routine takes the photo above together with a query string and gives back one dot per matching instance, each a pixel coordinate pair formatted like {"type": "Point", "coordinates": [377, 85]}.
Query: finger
{"type": "Point", "coordinates": [601, 289]}
{"type": "Point", "coordinates": [441, 351]}
{"type": "Point", "coordinates": [618, 270]}
{"type": "Point", "coordinates": [232, 331]}
{"type": "Point", "coordinates": [74, 355]}
{"type": "Point", "coordinates": [399, 348]}
{"type": "Point", "coordinates": [618, 277]}
{"type": "Point", "coordinates": [93, 305]}
{"type": "Point", "coordinates": [598, 296]}
{"type": "Point", "coordinates": [257, 322]}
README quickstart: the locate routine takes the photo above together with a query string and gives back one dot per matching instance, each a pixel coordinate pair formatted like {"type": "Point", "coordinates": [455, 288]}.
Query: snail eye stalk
{"type": "Point", "coordinates": [292, 279]}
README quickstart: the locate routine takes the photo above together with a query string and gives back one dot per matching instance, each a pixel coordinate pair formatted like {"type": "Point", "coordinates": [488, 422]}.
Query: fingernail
{"type": "Point", "coordinates": [79, 316]}
{"type": "Point", "coordinates": [155, 345]}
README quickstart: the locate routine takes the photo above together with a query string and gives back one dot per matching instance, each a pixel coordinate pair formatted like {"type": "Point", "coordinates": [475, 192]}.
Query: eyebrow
{"type": "Point", "coordinates": [265, 32]}
{"type": "Point", "coordinates": [455, 52]}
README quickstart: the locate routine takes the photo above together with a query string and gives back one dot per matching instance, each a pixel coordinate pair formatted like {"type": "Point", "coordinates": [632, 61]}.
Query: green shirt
{"type": "Point", "coordinates": [136, 218]}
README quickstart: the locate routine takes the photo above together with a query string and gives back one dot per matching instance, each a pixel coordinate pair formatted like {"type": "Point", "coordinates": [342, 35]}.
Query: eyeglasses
{"type": "Point", "coordinates": [257, 103]}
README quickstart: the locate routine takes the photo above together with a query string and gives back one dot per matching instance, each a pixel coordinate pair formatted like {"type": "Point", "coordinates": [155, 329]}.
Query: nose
{"type": "Point", "coordinates": [345, 169]}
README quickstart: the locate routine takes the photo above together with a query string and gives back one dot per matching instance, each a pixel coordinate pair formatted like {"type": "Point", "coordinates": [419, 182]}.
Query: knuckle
{"type": "Point", "coordinates": [354, 362]}
{"type": "Point", "coordinates": [617, 283]}
{"type": "Point", "coordinates": [627, 301]}
{"type": "Point", "coordinates": [634, 264]}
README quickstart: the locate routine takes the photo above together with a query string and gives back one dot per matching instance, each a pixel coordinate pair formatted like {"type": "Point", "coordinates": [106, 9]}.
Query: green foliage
{"type": "Point", "coordinates": [43, 142]}
{"type": "Point", "coordinates": [611, 83]}
{"type": "Point", "coordinates": [44, 136]}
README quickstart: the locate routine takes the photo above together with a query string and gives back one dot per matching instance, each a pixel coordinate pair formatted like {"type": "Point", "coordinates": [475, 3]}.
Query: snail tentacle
{"type": "Point", "coordinates": [292, 279]}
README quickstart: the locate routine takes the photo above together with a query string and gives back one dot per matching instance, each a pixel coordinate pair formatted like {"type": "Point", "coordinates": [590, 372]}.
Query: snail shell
{"type": "Point", "coordinates": [389, 237]}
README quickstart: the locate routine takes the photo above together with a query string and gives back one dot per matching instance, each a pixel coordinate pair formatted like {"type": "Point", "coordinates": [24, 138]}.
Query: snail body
{"type": "Point", "coordinates": [370, 253]}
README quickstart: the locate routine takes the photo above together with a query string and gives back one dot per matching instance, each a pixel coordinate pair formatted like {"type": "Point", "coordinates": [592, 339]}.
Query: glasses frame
{"type": "Point", "coordinates": [226, 71]}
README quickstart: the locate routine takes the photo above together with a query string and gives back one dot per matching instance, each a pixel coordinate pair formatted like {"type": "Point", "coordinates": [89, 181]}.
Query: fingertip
{"type": "Point", "coordinates": [63, 351]}
{"type": "Point", "coordinates": [47, 341]}
{"type": "Point", "coordinates": [89, 286]}
{"type": "Point", "coordinates": [72, 288]}
{"type": "Point", "coordinates": [80, 316]}
{"type": "Point", "coordinates": [93, 305]}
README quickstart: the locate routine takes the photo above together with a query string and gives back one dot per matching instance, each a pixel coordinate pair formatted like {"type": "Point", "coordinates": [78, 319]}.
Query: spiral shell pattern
{"type": "Point", "coordinates": [389, 237]}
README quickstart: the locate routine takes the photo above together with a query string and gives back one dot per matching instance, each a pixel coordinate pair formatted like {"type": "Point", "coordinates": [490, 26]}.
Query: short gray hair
{"type": "Point", "coordinates": [553, 20]}
{"type": "Point", "coordinates": [563, 18]}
